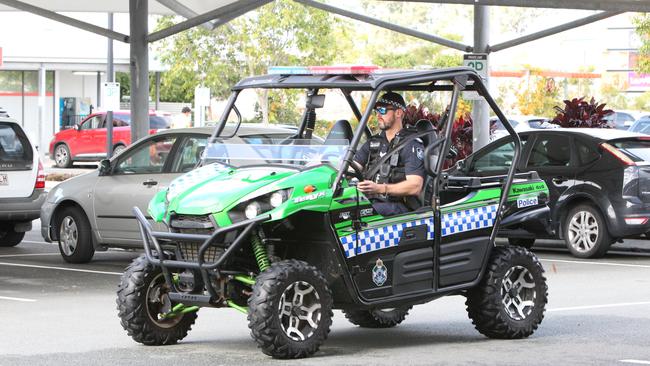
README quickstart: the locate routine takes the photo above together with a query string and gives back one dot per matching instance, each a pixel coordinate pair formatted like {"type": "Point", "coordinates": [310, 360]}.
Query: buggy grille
{"type": "Point", "coordinates": [189, 252]}
{"type": "Point", "coordinates": [192, 224]}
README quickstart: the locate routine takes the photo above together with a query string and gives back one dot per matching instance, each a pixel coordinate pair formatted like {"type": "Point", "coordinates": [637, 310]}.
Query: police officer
{"type": "Point", "coordinates": [395, 188]}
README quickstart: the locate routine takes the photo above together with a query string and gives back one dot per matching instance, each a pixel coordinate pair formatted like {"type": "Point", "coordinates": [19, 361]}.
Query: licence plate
{"type": "Point", "coordinates": [526, 202]}
{"type": "Point", "coordinates": [4, 180]}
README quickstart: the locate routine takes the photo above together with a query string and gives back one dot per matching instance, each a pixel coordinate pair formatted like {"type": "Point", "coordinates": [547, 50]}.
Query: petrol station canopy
{"type": "Point", "coordinates": [213, 13]}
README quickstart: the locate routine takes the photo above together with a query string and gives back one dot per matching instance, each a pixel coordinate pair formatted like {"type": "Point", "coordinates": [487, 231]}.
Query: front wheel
{"type": "Point", "coordinates": [75, 241]}
{"type": "Point", "coordinates": [143, 306]}
{"type": "Point", "coordinates": [510, 300]}
{"type": "Point", "coordinates": [290, 310]}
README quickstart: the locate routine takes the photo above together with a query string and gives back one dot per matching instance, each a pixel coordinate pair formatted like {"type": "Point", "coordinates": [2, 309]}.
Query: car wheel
{"type": "Point", "coordinates": [145, 310]}
{"type": "Point", "coordinates": [118, 150]}
{"type": "Point", "coordinates": [290, 310]}
{"type": "Point", "coordinates": [585, 232]}
{"type": "Point", "coordinates": [377, 318]}
{"type": "Point", "coordinates": [62, 157]}
{"type": "Point", "coordinates": [9, 237]}
{"type": "Point", "coordinates": [522, 242]}
{"type": "Point", "coordinates": [511, 298]}
{"type": "Point", "coordinates": [75, 242]}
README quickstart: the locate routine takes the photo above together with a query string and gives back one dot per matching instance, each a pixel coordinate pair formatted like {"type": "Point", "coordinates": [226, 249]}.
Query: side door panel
{"type": "Point", "coordinates": [137, 176]}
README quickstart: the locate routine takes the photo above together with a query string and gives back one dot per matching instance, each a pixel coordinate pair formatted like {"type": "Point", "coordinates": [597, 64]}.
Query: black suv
{"type": "Point", "coordinates": [598, 180]}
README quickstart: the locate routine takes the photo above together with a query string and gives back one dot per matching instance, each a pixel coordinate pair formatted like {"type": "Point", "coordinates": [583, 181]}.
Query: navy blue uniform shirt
{"type": "Point", "coordinates": [411, 156]}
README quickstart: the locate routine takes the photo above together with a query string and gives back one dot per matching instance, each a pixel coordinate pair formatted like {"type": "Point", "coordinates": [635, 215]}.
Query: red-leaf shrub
{"type": "Point", "coordinates": [578, 113]}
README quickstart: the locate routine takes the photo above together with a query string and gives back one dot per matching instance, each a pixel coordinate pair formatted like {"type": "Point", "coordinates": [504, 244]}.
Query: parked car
{"type": "Point", "coordinates": [599, 183]}
{"type": "Point", "coordinates": [642, 125]}
{"type": "Point", "coordinates": [520, 124]}
{"type": "Point", "coordinates": [624, 119]}
{"type": "Point", "coordinates": [87, 140]}
{"type": "Point", "coordinates": [22, 183]}
{"type": "Point", "coordinates": [94, 211]}
{"type": "Point", "coordinates": [3, 113]}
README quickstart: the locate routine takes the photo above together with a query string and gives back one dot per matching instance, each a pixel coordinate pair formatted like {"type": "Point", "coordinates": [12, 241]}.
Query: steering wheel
{"type": "Point", "coordinates": [356, 173]}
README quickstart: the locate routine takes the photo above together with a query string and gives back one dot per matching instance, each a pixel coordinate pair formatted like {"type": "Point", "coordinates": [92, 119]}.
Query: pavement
{"type": "Point", "coordinates": [62, 314]}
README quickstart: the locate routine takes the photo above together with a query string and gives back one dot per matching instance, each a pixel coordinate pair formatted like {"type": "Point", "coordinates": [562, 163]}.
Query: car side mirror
{"type": "Point", "coordinates": [77, 127]}
{"type": "Point", "coordinates": [104, 167]}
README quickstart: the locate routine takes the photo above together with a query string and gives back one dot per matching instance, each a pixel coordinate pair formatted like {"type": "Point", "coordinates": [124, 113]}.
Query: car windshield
{"type": "Point", "coordinates": [241, 152]}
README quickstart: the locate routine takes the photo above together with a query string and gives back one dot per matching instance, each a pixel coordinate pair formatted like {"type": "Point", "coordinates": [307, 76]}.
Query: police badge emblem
{"type": "Point", "coordinates": [419, 153]}
{"type": "Point", "coordinates": [379, 273]}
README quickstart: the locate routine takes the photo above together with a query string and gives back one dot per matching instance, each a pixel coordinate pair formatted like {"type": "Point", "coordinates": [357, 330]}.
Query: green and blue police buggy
{"type": "Point", "coordinates": [275, 227]}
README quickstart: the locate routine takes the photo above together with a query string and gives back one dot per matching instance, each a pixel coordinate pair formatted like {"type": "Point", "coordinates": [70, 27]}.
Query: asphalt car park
{"type": "Point", "coordinates": [57, 313]}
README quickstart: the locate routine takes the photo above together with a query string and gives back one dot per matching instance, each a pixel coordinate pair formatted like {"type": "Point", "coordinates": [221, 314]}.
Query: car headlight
{"type": "Point", "coordinates": [254, 207]}
{"type": "Point", "coordinates": [253, 210]}
{"type": "Point", "coordinates": [278, 198]}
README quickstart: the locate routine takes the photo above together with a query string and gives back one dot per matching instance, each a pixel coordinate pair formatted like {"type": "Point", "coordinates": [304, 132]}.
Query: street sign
{"type": "Point", "coordinates": [110, 96]}
{"type": "Point", "coordinates": [478, 62]}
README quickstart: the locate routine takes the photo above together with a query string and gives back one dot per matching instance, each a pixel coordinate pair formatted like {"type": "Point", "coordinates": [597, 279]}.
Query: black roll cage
{"type": "Point", "coordinates": [456, 80]}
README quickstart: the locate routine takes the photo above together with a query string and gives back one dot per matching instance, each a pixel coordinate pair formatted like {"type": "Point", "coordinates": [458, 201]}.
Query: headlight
{"type": "Point", "coordinates": [253, 210]}
{"type": "Point", "coordinates": [277, 198]}
{"type": "Point", "coordinates": [254, 207]}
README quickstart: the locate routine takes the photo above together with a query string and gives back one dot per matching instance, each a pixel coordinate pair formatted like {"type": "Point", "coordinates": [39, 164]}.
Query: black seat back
{"type": "Point", "coordinates": [424, 125]}
{"type": "Point", "coordinates": [341, 130]}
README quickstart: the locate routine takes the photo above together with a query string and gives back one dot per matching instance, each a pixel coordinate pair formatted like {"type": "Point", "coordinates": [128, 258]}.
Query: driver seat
{"type": "Point", "coordinates": [341, 130]}
{"type": "Point", "coordinates": [424, 125]}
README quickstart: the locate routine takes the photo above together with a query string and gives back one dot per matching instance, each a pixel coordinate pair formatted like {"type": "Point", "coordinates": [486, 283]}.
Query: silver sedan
{"type": "Point", "coordinates": [93, 211]}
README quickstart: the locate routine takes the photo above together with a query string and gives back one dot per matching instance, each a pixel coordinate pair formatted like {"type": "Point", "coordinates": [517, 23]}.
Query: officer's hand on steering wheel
{"type": "Point", "coordinates": [356, 171]}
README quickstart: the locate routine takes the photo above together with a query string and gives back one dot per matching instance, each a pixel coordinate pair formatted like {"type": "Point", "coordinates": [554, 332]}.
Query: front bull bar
{"type": "Point", "coordinates": [151, 240]}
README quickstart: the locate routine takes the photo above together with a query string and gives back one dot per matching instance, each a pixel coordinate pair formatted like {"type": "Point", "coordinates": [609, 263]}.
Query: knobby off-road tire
{"type": "Point", "coordinates": [9, 237]}
{"type": "Point", "coordinates": [522, 242]}
{"type": "Point", "coordinates": [510, 300]}
{"type": "Point", "coordinates": [290, 310]}
{"type": "Point", "coordinates": [377, 318]}
{"type": "Point", "coordinates": [585, 232]}
{"type": "Point", "coordinates": [141, 297]}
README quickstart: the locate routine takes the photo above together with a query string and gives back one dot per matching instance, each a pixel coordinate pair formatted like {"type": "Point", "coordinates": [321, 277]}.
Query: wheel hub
{"type": "Point", "coordinates": [583, 231]}
{"type": "Point", "coordinates": [518, 293]}
{"type": "Point", "coordinates": [299, 311]}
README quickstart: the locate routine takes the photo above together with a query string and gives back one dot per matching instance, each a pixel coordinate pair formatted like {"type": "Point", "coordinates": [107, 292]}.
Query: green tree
{"type": "Point", "coordinates": [280, 33]}
{"type": "Point", "coordinates": [538, 96]}
{"type": "Point", "coordinates": [642, 23]}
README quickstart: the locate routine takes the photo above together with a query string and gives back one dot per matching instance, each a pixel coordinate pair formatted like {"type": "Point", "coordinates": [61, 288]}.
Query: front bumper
{"type": "Point", "coordinates": [153, 250]}
{"type": "Point", "coordinates": [47, 209]}
{"type": "Point", "coordinates": [24, 208]}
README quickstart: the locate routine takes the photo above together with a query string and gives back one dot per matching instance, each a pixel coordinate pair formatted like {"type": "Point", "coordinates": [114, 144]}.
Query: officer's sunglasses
{"type": "Point", "coordinates": [383, 110]}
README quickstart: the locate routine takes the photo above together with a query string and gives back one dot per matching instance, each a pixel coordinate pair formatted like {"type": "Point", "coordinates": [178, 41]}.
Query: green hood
{"type": "Point", "coordinates": [213, 188]}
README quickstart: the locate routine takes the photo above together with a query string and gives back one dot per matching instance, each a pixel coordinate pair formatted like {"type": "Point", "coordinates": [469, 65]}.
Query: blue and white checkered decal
{"type": "Point", "coordinates": [390, 235]}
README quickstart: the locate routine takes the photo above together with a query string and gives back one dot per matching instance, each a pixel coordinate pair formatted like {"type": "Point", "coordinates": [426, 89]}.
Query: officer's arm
{"type": "Point", "coordinates": [409, 187]}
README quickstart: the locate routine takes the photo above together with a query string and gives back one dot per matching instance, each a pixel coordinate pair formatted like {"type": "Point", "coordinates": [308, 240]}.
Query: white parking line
{"type": "Point", "coordinates": [600, 306]}
{"type": "Point", "coordinates": [16, 299]}
{"type": "Point", "coordinates": [59, 268]}
{"type": "Point", "coordinates": [27, 255]}
{"type": "Point", "coordinates": [36, 242]}
{"type": "Point", "coordinates": [596, 263]}
{"type": "Point", "coordinates": [638, 362]}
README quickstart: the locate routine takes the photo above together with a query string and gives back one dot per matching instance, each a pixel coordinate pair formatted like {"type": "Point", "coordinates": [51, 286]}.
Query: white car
{"type": "Point", "coordinates": [624, 119]}
{"type": "Point", "coordinates": [520, 124]}
{"type": "Point", "coordinates": [22, 183]}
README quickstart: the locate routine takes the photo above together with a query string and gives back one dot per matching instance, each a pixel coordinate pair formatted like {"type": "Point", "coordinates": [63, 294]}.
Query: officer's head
{"type": "Point", "coordinates": [390, 109]}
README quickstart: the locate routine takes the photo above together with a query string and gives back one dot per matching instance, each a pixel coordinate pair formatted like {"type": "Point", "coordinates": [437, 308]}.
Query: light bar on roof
{"type": "Point", "coordinates": [323, 70]}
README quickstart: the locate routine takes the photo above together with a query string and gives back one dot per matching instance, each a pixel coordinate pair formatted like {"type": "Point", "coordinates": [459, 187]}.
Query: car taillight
{"type": "Point", "coordinates": [40, 177]}
{"type": "Point", "coordinates": [617, 154]}
{"type": "Point", "coordinates": [636, 220]}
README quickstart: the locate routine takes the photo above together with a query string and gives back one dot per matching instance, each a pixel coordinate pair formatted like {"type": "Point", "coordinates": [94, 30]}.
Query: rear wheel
{"type": "Point", "coordinates": [9, 237]}
{"type": "Point", "coordinates": [75, 241]}
{"type": "Point", "coordinates": [510, 300]}
{"type": "Point", "coordinates": [522, 242]}
{"type": "Point", "coordinates": [377, 318]}
{"type": "Point", "coordinates": [143, 306]}
{"type": "Point", "coordinates": [585, 232]}
{"type": "Point", "coordinates": [290, 310]}
{"type": "Point", "coordinates": [62, 157]}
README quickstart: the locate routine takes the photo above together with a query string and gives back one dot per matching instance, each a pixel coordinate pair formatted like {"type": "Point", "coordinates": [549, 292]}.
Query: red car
{"type": "Point", "coordinates": [87, 140]}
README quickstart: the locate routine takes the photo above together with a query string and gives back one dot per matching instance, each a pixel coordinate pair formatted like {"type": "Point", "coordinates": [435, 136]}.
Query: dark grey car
{"type": "Point", "coordinates": [94, 211]}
